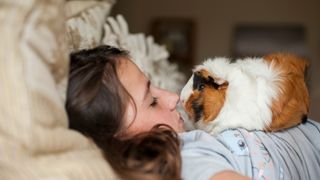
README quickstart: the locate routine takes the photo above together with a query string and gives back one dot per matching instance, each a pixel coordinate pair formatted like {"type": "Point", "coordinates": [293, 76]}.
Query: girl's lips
{"type": "Point", "coordinates": [181, 124]}
{"type": "Point", "coordinates": [179, 116]}
{"type": "Point", "coordinates": [181, 119]}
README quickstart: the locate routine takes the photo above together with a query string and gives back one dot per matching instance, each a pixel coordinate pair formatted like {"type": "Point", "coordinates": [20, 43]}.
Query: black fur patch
{"type": "Point", "coordinates": [198, 110]}
{"type": "Point", "coordinates": [212, 83]}
{"type": "Point", "coordinates": [304, 118]}
{"type": "Point", "coordinates": [199, 80]}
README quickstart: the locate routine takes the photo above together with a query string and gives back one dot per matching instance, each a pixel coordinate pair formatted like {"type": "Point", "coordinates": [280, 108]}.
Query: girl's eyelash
{"type": "Point", "coordinates": [154, 102]}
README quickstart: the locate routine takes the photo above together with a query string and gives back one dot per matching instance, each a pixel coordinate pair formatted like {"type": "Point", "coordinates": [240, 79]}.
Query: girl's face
{"type": "Point", "coordinates": [153, 105]}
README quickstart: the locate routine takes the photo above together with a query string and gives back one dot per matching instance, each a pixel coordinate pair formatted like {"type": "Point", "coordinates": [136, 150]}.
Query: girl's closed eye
{"type": "Point", "coordinates": [154, 102]}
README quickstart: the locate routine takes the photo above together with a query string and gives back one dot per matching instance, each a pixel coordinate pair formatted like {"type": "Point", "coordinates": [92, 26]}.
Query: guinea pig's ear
{"type": "Point", "coordinates": [218, 83]}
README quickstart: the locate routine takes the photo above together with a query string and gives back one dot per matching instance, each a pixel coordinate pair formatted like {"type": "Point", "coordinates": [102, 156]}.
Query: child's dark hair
{"type": "Point", "coordinates": [96, 104]}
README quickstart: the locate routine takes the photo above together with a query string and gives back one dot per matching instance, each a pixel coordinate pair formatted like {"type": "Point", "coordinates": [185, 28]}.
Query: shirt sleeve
{"type": "Point", "coordinates": [203, 156]}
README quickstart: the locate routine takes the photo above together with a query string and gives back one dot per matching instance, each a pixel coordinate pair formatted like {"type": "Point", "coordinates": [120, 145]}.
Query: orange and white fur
{"type": "Point", "coordinates": [266, 93]}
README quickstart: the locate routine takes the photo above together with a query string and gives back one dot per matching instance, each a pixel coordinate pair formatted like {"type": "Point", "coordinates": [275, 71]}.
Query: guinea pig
{"type": "Point", "coordinates": [267, 93]}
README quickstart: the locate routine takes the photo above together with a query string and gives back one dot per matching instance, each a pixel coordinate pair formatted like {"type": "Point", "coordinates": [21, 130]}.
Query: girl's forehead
{"type": "Point", "coordinates": [126, 66]}
{"type": "Point", "coordinates": [132, 78]}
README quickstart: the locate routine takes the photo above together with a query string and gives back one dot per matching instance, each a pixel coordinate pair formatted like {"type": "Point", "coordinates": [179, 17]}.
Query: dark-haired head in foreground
{"type": "Point", "coordinates": [110, 101]}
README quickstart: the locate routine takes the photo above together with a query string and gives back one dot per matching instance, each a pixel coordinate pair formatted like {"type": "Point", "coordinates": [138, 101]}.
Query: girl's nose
{"type": "Point", "coordinates": [173, 100]}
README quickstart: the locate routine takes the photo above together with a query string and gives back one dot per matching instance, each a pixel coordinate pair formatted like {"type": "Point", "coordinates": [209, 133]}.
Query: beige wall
{"type": "Point", "coordinates": [215, 20]}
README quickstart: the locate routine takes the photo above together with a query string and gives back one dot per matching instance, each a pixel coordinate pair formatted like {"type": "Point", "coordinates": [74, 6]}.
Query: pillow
{"type": "Point", "coordinates": [85, 22]}
{"type": "Point", "coordinates": [35, 142]}
{"type": "Point", "coordinates": [149, 56]}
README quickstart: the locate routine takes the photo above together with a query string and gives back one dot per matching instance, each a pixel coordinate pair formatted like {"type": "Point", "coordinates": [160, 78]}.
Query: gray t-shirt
{"type": "Point", "coordinates": [290, 154]}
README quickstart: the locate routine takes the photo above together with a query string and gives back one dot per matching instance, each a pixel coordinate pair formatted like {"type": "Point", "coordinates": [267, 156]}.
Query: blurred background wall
{"type": "Point", "coordinates": [215, 24]}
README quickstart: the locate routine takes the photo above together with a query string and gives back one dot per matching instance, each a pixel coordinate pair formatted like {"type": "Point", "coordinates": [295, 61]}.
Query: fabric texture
{"type": "Point", "coordinates": [290, 154]}
{"type": "Point", "coordinates": [88, 25]}
{"type": "Point", "coordinates": [85, 20]}
{"type": "Point", "coordinates": [149, 56]}
{"type": "Point", "coordinates": [35, 142]}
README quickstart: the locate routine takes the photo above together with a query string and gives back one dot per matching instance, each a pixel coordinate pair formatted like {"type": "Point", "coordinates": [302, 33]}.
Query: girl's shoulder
{"type": "Point", "coordinates": [309, 129]}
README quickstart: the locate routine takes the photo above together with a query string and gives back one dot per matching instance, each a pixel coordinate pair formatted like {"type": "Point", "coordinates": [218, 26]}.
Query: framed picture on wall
{"type": "Point", "coordinates": [259, 40]}
{"type": "Point", "coordinates": [177, 35]}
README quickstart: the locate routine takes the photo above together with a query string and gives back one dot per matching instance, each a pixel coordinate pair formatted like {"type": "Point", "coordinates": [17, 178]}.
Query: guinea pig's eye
{"type": "Point", "coordinates": [200, 86]}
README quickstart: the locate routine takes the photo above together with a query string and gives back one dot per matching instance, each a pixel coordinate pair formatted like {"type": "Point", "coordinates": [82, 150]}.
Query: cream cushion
{"type": "Point", "coordinates": [35, 142]}
{"type": "Point", "coordinates": [85, 20]}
